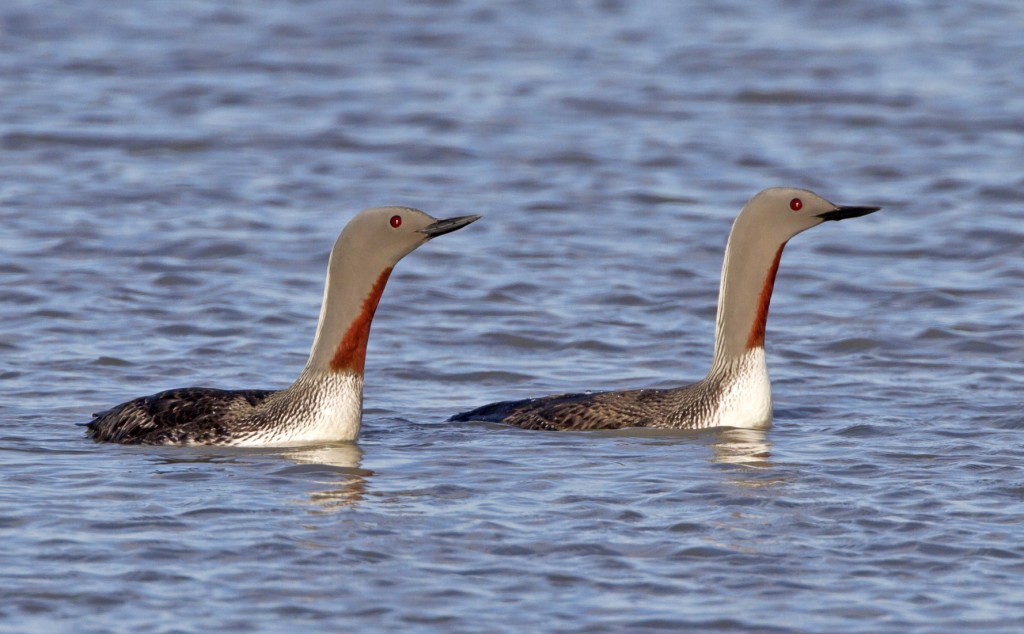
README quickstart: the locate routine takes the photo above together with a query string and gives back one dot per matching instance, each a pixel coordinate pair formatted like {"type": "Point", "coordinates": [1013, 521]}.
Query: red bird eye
{"type": "Point", "coordinates": [796, 205]}
{"type": "Point", "coordinates": [396, 221]}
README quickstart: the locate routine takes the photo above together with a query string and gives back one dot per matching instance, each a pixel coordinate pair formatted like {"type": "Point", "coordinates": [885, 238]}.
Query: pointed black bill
{"type": "Point", "coordinates": [447, 225]}
{"type": "Point", "coordinates": [852, 211]}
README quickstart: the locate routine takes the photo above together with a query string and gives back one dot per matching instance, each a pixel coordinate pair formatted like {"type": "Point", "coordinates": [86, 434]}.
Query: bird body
{"type": "Point", "coordinates": [738, 396]}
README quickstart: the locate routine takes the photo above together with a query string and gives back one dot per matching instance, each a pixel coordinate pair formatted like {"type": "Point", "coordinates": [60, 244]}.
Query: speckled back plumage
{"type": "Point", "coordinates": [679, 408]}
{"type": "Point", "coordinates": [194, 415]}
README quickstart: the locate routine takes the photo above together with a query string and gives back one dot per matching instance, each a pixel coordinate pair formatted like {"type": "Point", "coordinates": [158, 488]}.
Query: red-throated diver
{"type": "Point", "coordinates": [326, 402]}
{"type": "Point", "coordinates": [736, 391]}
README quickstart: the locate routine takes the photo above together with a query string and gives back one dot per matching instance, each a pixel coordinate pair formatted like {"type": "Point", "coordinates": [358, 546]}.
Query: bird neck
{"type": "Point", "coordinates": [748, 278]}
{"type": "Point", "coordinates": [345, 317]}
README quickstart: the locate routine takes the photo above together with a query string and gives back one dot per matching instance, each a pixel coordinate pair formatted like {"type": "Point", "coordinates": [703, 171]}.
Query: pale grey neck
{"type": "Point", "coordinates": [750, 258]}
{"type": "Point", "coordinates": [346, 287]}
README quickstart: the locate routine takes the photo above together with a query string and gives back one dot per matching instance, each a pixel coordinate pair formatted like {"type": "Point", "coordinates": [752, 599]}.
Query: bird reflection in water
{"type": "Point", "coordinates": [335, 466]}
{"type": "Point", "coordinates": [747, 447]}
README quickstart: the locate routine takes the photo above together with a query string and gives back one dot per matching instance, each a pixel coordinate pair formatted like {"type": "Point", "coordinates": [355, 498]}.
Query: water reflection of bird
{"type": "Point", "coordinates": [749, 447]}
{"type": "Point", "coordinates": [335, 466]}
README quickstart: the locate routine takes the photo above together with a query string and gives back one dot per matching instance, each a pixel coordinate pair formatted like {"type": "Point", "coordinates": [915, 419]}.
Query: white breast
{"type": "Point", "coordinates": [745, 399]}
{"type": "Point", "coordinates": [327, 408]}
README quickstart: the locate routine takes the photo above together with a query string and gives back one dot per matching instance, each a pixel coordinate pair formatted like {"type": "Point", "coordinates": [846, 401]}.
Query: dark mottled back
{"type": "Point", "coordinates": [679, 408]}
{"type": "Point", "coordinates": [187, 415]}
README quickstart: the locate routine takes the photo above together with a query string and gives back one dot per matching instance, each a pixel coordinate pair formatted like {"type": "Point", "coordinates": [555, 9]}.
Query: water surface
{"type": "Point", "coordinates": [173, 178]}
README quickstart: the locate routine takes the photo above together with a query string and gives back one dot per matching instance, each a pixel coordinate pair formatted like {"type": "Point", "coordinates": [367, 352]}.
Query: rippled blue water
{"type": "Point", "coordinates": [174, 174]}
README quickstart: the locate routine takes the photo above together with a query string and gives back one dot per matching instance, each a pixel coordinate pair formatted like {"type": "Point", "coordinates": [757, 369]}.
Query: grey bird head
{"type": "Point", "coordinates": [783, 212]}
{"type": "Point", "coordinates": [369, 246]}
{"type": "Point", "coordinates": [758, 236]}
{"type": "Point", "coordinates": [384, 235]}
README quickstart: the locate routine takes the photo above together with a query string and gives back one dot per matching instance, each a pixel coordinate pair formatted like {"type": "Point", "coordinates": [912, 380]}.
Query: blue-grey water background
{"type": "Point", "coordinates": [172, 176]}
